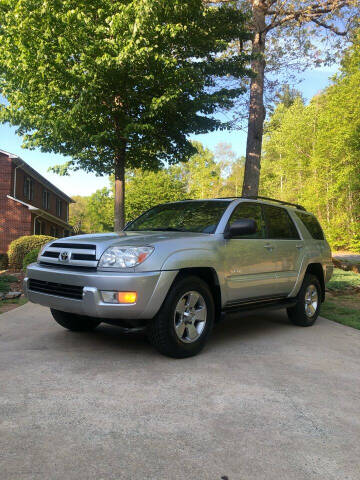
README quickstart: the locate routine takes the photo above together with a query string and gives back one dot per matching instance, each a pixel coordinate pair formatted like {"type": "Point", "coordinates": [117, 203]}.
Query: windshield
{"type": "Point", "coordinates": [196, 216]}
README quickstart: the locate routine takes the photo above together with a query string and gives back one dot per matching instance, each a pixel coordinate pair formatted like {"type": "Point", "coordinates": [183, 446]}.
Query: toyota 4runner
{"type": "Point", "coordinates": [178, 266]}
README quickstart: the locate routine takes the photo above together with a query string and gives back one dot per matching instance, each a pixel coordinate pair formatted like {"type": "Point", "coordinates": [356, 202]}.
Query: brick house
{"type": "Point", "coordinates": [29, 204]}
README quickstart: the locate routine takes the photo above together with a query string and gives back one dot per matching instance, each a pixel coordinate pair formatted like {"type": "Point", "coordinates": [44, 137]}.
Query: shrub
{"type": "Point", "coordinates": [23, 245]}
{"type": "Point", "coordinates": [3, 261]}
{"type": "Point", "coordinates": [30, 257]}
{"type": "Point", "coordinates": [5, 281]}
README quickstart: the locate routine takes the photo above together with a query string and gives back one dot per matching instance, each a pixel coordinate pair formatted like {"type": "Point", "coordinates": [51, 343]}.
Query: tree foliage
{"type": "Point", "coordinates": [287, 36]}
{"type": "Point", "coordinates": [205, 175]}
{"type": "Point", "coordinates": [312, 154]}
{"type": "Point", "coordinates": [116, 84]}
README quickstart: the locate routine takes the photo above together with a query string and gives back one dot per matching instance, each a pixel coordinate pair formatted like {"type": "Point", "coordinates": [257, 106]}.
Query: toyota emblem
{"type": "Point", "coordinates": [64, 256]}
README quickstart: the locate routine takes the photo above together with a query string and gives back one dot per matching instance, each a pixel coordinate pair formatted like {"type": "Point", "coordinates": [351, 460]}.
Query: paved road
{"type": "Point", "coordinates": [264, 401]}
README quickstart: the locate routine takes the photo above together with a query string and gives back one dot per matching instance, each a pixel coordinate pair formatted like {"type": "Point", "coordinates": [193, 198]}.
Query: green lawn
{"type": "Point", "coordinates": [342, 280]}
{"type": "Point", "coordinates": [14, 301]}
{"type": "Point", "coordinates": [342, 303]}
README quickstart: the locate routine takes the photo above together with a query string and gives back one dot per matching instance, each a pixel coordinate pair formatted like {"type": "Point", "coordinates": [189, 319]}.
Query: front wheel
{"type": "Point", "coordinates": [307, 309]}
{"type": "Point", "coordinates": [76, 323]}
{"type": "Point", "coordinates": [185, 320]}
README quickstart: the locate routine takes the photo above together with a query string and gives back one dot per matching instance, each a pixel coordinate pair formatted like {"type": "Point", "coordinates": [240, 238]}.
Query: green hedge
{"type": "Point", "coordinates": [22, 246]}
{"type": "Point", "coordinates": [3, 261]}
{"type": "Point", "coordinates": [30, 257]}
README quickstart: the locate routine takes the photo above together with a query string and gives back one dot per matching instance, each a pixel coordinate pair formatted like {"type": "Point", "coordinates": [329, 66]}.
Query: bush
{"type": "Point", "coordinates": [23, 245]}
{"type": "Point", "coordinates": [3, 261]}
{"type": "Point", "coordinates": [5, 281]}
{"type": "Point", "coordinates": [30, 257]}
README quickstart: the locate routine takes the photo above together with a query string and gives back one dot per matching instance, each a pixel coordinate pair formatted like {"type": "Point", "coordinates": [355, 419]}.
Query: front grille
{"type": "Point", "coordinates": [51, 254]}
{"type": "Point", "coordinates": [78, 246]}
{"type": "Point", "coordinates": [58, 289]}
{"type": "Point", "coordinates": [68, 255]}
{"type": "Point", "coordinates": [67, 267]}
{"type": "Point", "coordinates": [83, 256]}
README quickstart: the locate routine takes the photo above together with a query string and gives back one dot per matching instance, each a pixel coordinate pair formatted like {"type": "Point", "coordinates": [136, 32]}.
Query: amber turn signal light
{"type": "Point", "coordinates": [126, 297]}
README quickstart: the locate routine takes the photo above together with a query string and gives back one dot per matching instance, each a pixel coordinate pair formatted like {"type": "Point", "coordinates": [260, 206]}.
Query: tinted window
{"type": "Point", "coordinates": [253, 211]}
{"type": "Point", "coordinates": [279, 224]}
{"type": "Point", "coordinates": [312, 225]}
{"type": "Point", "coordinates": [197, 216]}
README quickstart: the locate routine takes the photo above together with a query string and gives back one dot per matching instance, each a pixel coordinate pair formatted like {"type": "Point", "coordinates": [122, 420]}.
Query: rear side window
{"type": "Point", "coordinates": [312, 225]}
{"type": "Point", "coordinates": [279, 224]}
{"type": "Point", "coordinates": [253, 211]}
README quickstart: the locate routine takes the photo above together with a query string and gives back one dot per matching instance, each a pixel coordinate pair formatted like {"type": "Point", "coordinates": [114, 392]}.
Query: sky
{"type": "Point", "coordinates": [81, 183]}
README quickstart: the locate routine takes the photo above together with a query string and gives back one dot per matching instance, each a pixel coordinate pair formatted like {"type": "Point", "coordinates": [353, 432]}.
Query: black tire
{"type": "Point", "coordinates": [161, 330]}
{"type": "Point", "coordinates": [75, 323]}
{"type": "Point", "coordinates": [297, 314]}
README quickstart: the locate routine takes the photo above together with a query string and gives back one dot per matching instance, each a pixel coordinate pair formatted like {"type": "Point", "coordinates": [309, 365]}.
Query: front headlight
{"type": "Point", "coordinates": [42, 250]}
{"type": "Point", "coordinates": [124, 257]}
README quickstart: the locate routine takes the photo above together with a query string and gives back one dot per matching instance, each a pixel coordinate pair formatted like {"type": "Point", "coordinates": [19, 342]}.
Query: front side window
{"type": "Point", "coordinates": [58, 207]}
{"type": "Point", "coordinates": [28, 188]}
{"type": "Point", "coordinates": [252, 211]}
{"type": "Point", "coordinates": [46, 200]}
{"type": "Point", "coordinates": [192, 216]}
{"type": "Point", "coordinates": [312, 225]}
{"type": "Point", "coordinates": [279, 225]}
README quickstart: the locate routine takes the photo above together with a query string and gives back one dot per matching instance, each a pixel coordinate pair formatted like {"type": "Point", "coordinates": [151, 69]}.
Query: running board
{"type": "Point", "coordinates": [261, 304]}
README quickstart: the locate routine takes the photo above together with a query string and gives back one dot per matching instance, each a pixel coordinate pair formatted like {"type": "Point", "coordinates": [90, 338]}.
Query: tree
{"type": "Point", "coordinates": [285, 34]}
{"type": "Point", "coordinates": [78, 217]}
{"type": "Point", "coordinates": [312, 154]}
{"type": "Point", "coordinates": [147, 189]}
{"type": "Point", "coordinates": [116, 84]}
{"type": "Point", "coordinates": [201, 174]}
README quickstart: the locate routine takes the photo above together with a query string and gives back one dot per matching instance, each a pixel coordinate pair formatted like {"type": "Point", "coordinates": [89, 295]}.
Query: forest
{"type": "Point", "coordinates": [311, 155]}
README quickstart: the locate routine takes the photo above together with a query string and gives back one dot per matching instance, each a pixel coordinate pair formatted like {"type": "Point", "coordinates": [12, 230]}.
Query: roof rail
{"type": "Point", "coordinates": [299, 207]}
{"type": "Point", "coordinates": [255, 197]}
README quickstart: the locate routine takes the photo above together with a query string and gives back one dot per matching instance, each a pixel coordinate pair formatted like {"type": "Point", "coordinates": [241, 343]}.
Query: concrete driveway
{"type": "Point", "coordinates": [265, 400]}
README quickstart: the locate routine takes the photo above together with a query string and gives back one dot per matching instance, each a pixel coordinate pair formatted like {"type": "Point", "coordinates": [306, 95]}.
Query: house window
{"type": "Point", "coordinates": [58, 207]}
{"type": "Point", "coordinates": [39, 227]}
{"type": "Point", "coordinates": [28, 188]}
{"type": "Point", "coordinates": [46, 199]}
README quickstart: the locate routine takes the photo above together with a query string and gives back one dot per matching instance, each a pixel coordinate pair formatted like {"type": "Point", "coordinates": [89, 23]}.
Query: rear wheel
{"type": "Point", "coordinates": [185, 320]}
{"type": "Point", "coordinates": [307, 309]}
{"type": "Point", "coordinates": [76, 323]}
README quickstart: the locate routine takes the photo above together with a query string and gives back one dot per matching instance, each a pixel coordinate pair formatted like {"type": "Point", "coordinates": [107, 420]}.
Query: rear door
{"type": "Point", "coordinates": [286, 245]}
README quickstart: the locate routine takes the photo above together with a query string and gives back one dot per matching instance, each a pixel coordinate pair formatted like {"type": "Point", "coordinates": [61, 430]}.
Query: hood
{"type": "Point", "coordinates": [135, 239]}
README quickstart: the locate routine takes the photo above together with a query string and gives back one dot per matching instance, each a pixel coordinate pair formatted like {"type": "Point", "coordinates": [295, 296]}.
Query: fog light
{"type": "Point", "coordinates": [119, 297]}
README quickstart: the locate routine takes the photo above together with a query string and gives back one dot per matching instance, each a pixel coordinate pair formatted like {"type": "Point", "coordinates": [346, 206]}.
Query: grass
{"type": "Point", "coordinates": [342, 303]}
{"type": "Point", "coordinates": [14, 301]}
{"type": "Point", "coordinates": [342, 280]}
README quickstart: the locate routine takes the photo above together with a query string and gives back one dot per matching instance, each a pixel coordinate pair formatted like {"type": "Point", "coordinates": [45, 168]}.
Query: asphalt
{"type": "Point", "coordinates": [265, 400]}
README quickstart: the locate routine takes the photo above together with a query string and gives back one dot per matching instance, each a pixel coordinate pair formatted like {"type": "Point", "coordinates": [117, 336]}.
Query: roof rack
{"type": "Point", "coordinates": [255, 197]}
{"type": "Point", "coordinates": [299, 207]}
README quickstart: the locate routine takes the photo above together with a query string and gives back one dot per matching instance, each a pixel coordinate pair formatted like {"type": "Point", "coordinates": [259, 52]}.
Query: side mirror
{"type": "Point", "coordinates": [241, 227]}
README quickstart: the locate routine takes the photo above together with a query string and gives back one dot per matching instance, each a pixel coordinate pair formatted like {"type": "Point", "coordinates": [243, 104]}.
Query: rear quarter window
{"type": "Point", "coordinates": [312, 225]}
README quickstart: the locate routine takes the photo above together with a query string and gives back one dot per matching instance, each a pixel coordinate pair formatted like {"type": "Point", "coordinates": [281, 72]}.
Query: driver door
{"type": "Point", "coordinates": [249, 266]}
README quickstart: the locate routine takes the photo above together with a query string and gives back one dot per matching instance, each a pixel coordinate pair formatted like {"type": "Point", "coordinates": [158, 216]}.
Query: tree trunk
{"type": "Point", "coordinates": [256, 108]}
{"type": "Point", "coordinates": [119, 203]}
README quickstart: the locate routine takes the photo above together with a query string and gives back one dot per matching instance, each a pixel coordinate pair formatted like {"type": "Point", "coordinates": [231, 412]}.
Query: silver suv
{"type": "Point", "coordinates": [177, 267]}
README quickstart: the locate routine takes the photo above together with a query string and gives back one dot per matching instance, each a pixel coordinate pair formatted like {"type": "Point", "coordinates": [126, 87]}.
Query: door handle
{"type": "Point", "coordinates": [299, 246]}
{"type": "Point", "coordinates": [269, 247]}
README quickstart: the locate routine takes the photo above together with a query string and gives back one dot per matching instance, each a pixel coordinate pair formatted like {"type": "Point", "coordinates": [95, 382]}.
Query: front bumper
{"type": "Point", "coordinates": [152, 288]}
